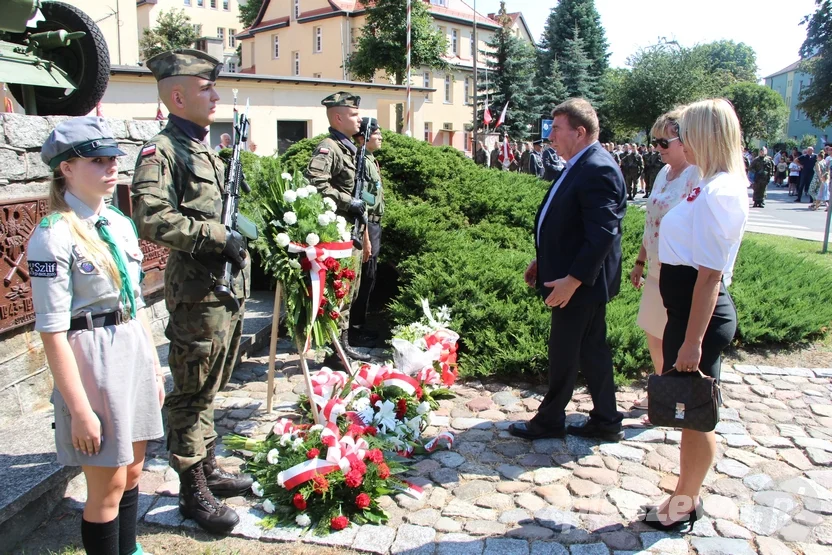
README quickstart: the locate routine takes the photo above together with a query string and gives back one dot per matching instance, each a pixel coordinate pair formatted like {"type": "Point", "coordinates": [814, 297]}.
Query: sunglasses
{"type": "Point", "coordinates": [665, 143]}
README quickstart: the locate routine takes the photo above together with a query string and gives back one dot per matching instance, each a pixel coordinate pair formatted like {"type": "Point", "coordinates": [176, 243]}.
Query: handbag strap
{"type": "Point", "coordinates": [701, 374]}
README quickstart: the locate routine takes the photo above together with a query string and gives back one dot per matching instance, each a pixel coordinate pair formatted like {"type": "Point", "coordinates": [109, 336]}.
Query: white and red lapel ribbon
{"type": "Point", "coordinates": [317, 274]}
{"type": "Point", "coordinates": [403, 381]}
{"type": "Point", "coordinates": [412, 490]}
{"type": "Point", "coordinates": [305, 471]}
{"type": "Point", "coordinates": [325, 382]}
{"type": "Point", "coordinates": [371, 375]}
{"type": "Point", "coordinates": [433, 444]}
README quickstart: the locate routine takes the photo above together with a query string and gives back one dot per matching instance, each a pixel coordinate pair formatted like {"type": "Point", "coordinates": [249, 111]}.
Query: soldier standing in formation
{"type": "Point", "coordinates": [494, 160]}
{"type": "Point", "coordinates": [653, 164]}
{"type": "Point", "coordinates": [374, 197]}
{"type": "Point", "coordinates": [632, 165]}
{"type": "Point", "coordinates": [177, 203]}
{"type": "Point", "coordinates": [481, 156]}
{"type": "Point", "coordinates": [332, 170]}
{"type": "Point", "coordinates": [524, 158]}
{"type": "Point", "coordinates": [536, 159]}
{"type": "Point", "coordinates": [763, 168]}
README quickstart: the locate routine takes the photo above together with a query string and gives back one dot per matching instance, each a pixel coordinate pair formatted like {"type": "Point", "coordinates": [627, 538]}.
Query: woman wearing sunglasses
{"type": "Point", "coordinates": [673, 182]}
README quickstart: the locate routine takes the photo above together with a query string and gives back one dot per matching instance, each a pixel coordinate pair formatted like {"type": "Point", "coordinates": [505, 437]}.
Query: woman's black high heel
{"type": "Point", "coordinates": [651, 519]}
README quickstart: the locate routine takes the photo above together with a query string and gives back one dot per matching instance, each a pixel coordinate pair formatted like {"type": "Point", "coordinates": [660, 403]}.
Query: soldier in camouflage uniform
{"type": "Point", "coordinates": [632, 165]}
{"type": "Point", "coordinates": [177, 203]}
{"type": "Point", "coordinates": [653, 164]}
{"type": "Point", "coordinates": [763, 168]}
{"type": "Point", "coordinates": [332, 170]}
{"type": "Point", "coordinates": [481, 156]}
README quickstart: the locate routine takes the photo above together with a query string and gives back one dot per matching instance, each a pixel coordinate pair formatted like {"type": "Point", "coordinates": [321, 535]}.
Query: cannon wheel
{"type": "Point", "coordinates": [86, 61]}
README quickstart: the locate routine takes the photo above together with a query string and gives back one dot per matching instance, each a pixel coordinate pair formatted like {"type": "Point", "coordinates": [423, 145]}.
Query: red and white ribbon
{"type": "Point", "coordinates": [283, 426]}
{"type": "Point", "coordinates": [428, 376]}
{"type": "Point", "coordinates": [317, 274]}
{"type": "Point", "coordinates": [325, 382]}
{"type": "Point", "coordinates": [405, 382]}
{"type": "Point", "coordinates": [412, 490]}
{"type": "Point", "coordinates": [371, 375]}
{"type": "Point", "coordinates": [433, 444]}
{"type": "Point", "coordinates": [332, 408]}
{"type": "Point", "coordinates": [305, 471]}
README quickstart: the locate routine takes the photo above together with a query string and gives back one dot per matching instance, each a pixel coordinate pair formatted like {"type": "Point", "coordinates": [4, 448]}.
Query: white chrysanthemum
{"type": "Point", "coordinates": [331, 216]}
{"type": "Point", "coordinates": [360, 404]}
{"type": "Point", "coordinates": [423, 407]}
{"type": "Point", "coordinates": [303, 192]}
{"type": "Point", "coordinates": [303, 520]}
{"type": "Point", "coordinates": [290, 196]}
{"type": "Point", "coordinates": [293, 263]}
{"type": "Point", "coordinates": [290, 218]}
{"type": "Point", "coordinates": [297, 444]}
{"type": "Point", "coordinates": [283, 240]}
{"type": "Point", "coordinates": [341, 220]}
{"type": "Point", "coordinates": [345, 236]}
{"type": "Point", "coordinates": [257, 489]}
{"type": "Point", "coordinates": [329, 203]}
{"type": "Point", "coordinates": [323, 220]}
{"type": "Point", "coordinates": [285, 440]}
{"type": "Point", "coordinates": [316, 428]}
{"type": "Point", "coordinates": [311, 189]}
{"type": "Point", "coordinates": [342, 228]}
{"type": "Point", "coordinates": [312, 239]}
{"type": "Point", "coordinates": [273, 456]}
{"type": "Point", "coordinates": [268, 506]}
{"type": "Point", "coordinates": [286, 176]}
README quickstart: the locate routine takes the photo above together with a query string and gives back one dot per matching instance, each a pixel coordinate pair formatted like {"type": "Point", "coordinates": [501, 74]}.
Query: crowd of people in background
{"type": "Point", "coordinates": [804, 172]}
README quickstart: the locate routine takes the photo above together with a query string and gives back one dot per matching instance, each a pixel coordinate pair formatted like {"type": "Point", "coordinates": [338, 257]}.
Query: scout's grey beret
{"type": "Point", "coordinates": [86, 137]}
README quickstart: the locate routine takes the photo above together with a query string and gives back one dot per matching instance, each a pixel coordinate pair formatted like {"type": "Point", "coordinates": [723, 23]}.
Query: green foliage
{"type": "Point", "coordinates": [761, 111]}
{"type": "Point", "coordinates": [785, 143]}
{"type": "Point", "coordinates": [460, 235]}
{"type": "Point", "coordinates": [808, 140]}
{"type": "Point", "coordinates": [511, 65]}
{"type": "Point", "coordinates": [728, 61]}
{"type": "Point", "coordinates": [549, 90]}
{"type": "Point", "coordinates": [249, 11]}
{"type": "Point", "coordinates": [173, 30]}
{"type": "Point", "coordinates": [577, 79]}
{"type": "Point", "coordinates": [816, 52]}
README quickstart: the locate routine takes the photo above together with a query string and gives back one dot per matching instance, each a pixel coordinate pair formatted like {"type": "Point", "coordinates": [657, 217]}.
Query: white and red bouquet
{"type": "Point", "coordinates": [428, 347]}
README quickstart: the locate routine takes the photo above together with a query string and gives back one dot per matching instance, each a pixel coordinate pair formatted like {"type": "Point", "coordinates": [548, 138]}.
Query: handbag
{"type": "Point", "coordinates": [688, 400]}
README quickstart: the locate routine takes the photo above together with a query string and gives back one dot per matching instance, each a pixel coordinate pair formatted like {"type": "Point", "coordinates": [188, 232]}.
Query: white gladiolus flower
{"type": "Point", "coordinates": [290, 196]}
{"type": "Point", "coordinates": [273, 456]}
{"type": "Point", "coordinates": [290, 218]}
{"type": "Point", "coordinates": [312, 239]}
{"type": "Point", "coordinates": [303, 520]}
{"type": "Point", "coordinates": [293, 263]}
{"type": "Point", "coordinates": [283, 240]}
{"type": "Point", "coordinates": [286, 176]}
{"type": "Point", "coordinates": [303, 192]}
{"type": "Point", "coordinates": [329, 203]}
{"type": "Point", "coordinates": [257, 489]}
{"type": "Point", "coordinates": [268, 506]}
{"type": "Point", "coordinates": [423, 407]}
{"type": "Point", "coordinates": [323, 220]}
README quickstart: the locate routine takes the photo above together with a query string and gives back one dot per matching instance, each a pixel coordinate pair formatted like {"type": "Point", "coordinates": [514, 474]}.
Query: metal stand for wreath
{"type": "Point", "coordinates": [299, 345]}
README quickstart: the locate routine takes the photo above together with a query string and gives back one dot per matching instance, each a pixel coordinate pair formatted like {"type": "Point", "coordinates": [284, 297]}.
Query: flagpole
{"type": "Point", "coordinates": [474, 54]}
{"type": "Point", "coordinates": [408, 131]}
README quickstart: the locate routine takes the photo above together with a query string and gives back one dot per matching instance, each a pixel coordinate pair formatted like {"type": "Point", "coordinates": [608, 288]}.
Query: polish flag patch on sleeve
{"type": "Point", "coordinates": [149, 150]}
{"type": "Point", "coordinates": [323, 150]}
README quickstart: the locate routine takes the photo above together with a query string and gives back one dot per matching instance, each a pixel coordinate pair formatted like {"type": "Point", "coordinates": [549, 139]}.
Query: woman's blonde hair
{"type": "Point", "coordinates": [710, 128]}
{"type": "Point", "coordinates": [92, 245]}
{"type": "Point", "coordinates": [667, 124]}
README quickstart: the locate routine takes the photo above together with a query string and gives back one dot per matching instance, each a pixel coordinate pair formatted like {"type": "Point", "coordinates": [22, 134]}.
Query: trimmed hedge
{"type": "Point", "coordinates": [460, 235]}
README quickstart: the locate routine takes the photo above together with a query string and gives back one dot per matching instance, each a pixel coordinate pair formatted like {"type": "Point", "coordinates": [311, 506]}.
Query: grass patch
{"type": "Point", "coordinates": [790, 245]}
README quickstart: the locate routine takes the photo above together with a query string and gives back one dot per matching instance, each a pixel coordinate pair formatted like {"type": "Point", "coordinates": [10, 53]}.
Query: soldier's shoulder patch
{"type": "Point", "coordinates": [323, 150]}
{"type": "Point", "coordinates": [148, 150]}
{"type": "Point", "coordinates": [50, 219]}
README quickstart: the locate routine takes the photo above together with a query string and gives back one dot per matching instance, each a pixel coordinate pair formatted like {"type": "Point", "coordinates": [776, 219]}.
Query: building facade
{"type": "Point", "coordinates": [118, 21]}
{"type": "Point", "coordinates": [314, 39]}
{"type": "Point", "coordinates": [788, 83]}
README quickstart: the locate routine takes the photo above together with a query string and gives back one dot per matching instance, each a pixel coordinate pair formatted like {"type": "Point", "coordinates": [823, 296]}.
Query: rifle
{"type": "Point", "coordinates": [358, 191]}
{"type": "Point", "coordinates": [231, 217]}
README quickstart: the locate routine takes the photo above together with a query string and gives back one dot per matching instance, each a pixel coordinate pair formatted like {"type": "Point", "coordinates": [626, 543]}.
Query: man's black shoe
{"type": "Point", "coordinates": [593, 430]}
{"type": "Point", "coordinates": [531, 432]}
{"type": "Point", "coordinates": [350, 351]}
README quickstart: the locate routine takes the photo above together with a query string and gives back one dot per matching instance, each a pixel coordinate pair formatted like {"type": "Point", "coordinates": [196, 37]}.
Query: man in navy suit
{"type": "Point", "coordinates": [577, 272]}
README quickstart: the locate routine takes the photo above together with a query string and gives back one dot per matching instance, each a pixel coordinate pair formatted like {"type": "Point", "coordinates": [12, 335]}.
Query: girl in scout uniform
{"type": "Point", "coordinates": [85, 264]}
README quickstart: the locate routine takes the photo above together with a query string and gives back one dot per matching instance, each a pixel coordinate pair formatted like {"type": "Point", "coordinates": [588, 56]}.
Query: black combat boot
{"type": "Point", "coordinates": [349, 351]}
{"type": "Point", "coordinates": [220, 482]}
{"type": "Point", "coordinates": [198, 503]}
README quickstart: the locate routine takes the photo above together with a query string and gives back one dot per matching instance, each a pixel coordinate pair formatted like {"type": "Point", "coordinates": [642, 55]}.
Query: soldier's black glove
{"type": "Point", "coordinates": [357, 207]}
{"type": "Point", "coordinates": [235, 248]}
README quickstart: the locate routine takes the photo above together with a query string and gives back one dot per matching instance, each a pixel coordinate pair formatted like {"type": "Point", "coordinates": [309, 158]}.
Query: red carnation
{"type": "Point", "coordinates": [340, 293]}
{"type": "Point", "coordinates": [339, 523]}
{"type": "Point", "coordinates": [401, 408]}
{"type": "Point", "coordinates": [370, 431]}
{"type": "Point", "coordinates": [338, 284]}
{"type": "Point", "coordinates": [355, 430]}
{"type": "Point", "coordinates": [319, 485]}
{"type": "Point", "coordinates": [299, 502]}
{"type": "Point", "coordinates": [324, 302]}
{"type": "Point", "coordinates": [321, 311]}
{"type": "Point", "coordinates": [383, 471]}
{"type": "Point", "coordinates": [334, 314]}
{"type": "Point", "coordinates": [305, 264]}
{"type": "Point", "coordinates": [359, 467]}
{"type": "Point", "coordinates": [348, 274]}
{"type": "Point", "coordinates": [329, 441]}
{"type": "Point", "coordinates": [332, 265]}
{"type": "Point", "coordinates": [374, 398]}
{"type": "Point", "coordinates": [312, 453]}
{"type": "Point", "coordinates": [375, 455]}
{"type": "Point", "coordinates": [353, 479]}
{"type": "Point", "coordinates": [362, 501]}
{"type": "Point", "coordinates": [419, 393]}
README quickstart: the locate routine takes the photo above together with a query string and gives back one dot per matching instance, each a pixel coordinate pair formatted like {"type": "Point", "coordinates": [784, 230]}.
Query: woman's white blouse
{"type": "Point", "coordinates": [706, 227]}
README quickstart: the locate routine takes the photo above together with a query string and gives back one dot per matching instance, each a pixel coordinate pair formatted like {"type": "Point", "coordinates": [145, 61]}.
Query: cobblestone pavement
{"type": "Point", "coordinates": [769, 493]}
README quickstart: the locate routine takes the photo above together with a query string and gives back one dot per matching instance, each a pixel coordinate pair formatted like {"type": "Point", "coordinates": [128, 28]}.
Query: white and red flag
{"type": "Point", "coordinates": [502, 119]}
{"type": "Point", "coordinates": [486, 116]}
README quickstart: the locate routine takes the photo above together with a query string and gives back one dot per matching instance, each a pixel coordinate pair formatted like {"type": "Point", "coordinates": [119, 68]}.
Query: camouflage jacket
{"type": "Point", "coordinates": [762, 167]}
{"type": "Point", "coordinates": [632, 162]}
{"type": "Point", "coordinates": [481, 158]}
{"type": "Point", "coordinates": [373, 194]}
{"type": "Point", "coordinates": [332, 169]}
{"type": "Point", "coordinates": [177, 203]}
{"type": "Point", "coordinates": [653, 162]}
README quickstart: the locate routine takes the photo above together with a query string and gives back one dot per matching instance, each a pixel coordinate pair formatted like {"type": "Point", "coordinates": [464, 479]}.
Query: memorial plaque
{"type": "Point", "coordinates": [18, 220]}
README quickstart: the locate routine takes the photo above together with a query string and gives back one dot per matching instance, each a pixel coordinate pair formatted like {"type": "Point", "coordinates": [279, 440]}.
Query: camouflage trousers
{"type": "Point", "coordinates": [204, 342]}
{"type": "Point", "coordinates": [631, 180]}
{"type": "Point", "coordinates": [649, 180]}
{"type": "Point", "coordinates": [760, 187]}
{"type": "Point", "coordinates": [355, 261]}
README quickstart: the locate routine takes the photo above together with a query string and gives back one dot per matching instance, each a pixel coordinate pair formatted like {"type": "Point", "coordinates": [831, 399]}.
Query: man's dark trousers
{"type": "Point", "coordinates": [578, 342]}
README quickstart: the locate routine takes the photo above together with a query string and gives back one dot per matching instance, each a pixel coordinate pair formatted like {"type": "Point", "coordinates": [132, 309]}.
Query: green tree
{"type": "Point", "coordinates": [816, 52]}
{"type": "Point", "coordinates": [511, 70]}
{"type": "Point", "coordinates": [249, 11]}
{"type": "Point", "coordinates": [560, 28]}
{"type": "Point", "coordinates": [576, 68]}
{"type": "Point", "coordinates": [728, 60]}
{"type": "Point", "coordinates": [548, 90]}
{"type": "Point", "coordinates": [761, 111]}
{"type": "Point", "coordinates": [173, 30]}
{"type": "Point", "coordinates": [808, 140]}
{"type": "Point", "coordinates": [383, 43]}
{"type": "Point", "coordinates": [612, 128]}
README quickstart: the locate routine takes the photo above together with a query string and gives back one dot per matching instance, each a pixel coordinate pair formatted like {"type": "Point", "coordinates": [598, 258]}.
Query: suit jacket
{"type": "Point", "coordinates": [580, 234]}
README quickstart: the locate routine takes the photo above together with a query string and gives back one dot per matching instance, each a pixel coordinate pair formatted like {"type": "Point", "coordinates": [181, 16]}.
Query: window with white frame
{"type": "Point", "coordinates": [427, 132]}
{"type": "Point", "coordinates": [221, 34]}
{"type": "Point", "coordinates": [467, 90]}
{"type": "Point", "coordinates": [231, 65]}
{"type": "Point", "coordinates": [297, 9]}
{"type": "Point", "coordinates": [198, 29]}
{"type": "Point", "coordinates": [466, 141]}
{"type": "Point", "coordinates": [443, 3]}
{"type": "Point", "coordinates": [426, 83]}
{"type": "Point", "coordinates": [455, 42]}
{"type": "Point", "coordinates": [471, 46]}
{"type": "Point", "coordinates": [275, 47]}
{"type": "Point", "coordinates": [447, 89]}
{"type": "Point", "coordinates": [296, 57]}
{"type": "Point", "coordinates": [187, 2]}
{"type": "Point", "coordinates": [213, 4]}
{"type": "Point", "coordinates": [232, 38]}
{"type": "Point", "coordinates": [200, 3]}
{"type": "Point", "coordinates": [319, 39]}
{"type": "Point", "coordinates": [226, 5]}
